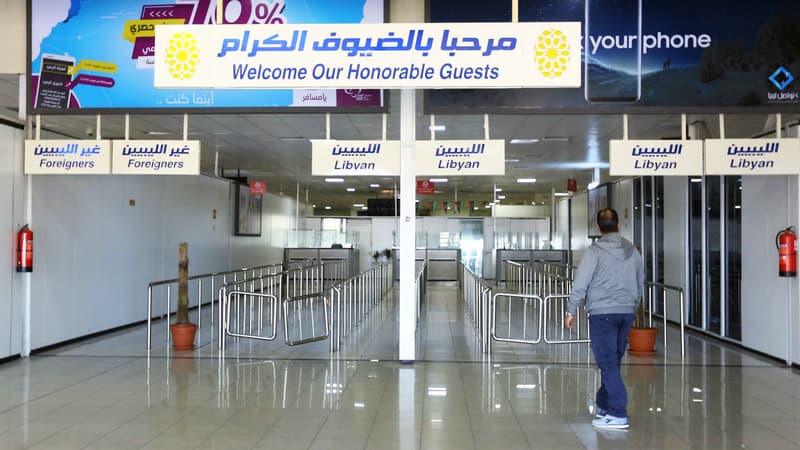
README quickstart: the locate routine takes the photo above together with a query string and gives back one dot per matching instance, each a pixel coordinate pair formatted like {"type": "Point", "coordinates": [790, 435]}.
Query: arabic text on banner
{"type": "Point", "coordinates": [150, 157]}
{"type": "Point", "coordinates": [655, 157]}
{"type": "Point", "coordinates": [752, 156]}
{"type": "Point", "coordinates": [63, 157]}
{"type": "Point", "coordinates": [461, 158]}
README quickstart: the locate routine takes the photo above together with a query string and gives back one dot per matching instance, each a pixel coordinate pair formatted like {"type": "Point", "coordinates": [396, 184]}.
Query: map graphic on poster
{"type": "Point", "coordinates": [99, 54]}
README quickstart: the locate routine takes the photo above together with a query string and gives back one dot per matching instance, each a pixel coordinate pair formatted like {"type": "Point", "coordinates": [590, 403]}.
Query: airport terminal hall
{"type": "Point", "coordinates": [400, 224]}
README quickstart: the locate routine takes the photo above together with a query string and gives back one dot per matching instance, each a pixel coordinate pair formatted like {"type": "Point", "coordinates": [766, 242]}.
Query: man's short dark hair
{"type": "Point", "coordinates": [607, 220]}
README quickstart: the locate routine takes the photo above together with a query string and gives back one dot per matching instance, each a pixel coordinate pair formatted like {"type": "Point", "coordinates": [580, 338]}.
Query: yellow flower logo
{"type": "Point", "coordinates": [182, 56]}
{"type": "Point", "coordinates": [552, 53]}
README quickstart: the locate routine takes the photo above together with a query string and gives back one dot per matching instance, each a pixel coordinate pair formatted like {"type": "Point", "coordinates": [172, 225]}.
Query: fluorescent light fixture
{"type": "Point", "coordinates": [524, 141]}
{"type": "Point", "coordinates": [737, 207]}
{"type": "Point", "coordinates": [334, 180]}
{"type": "Point", "coordinates": [327, 208]}
{"type": "Point", "coordinates": [497, 406]}
{"type": "Point", "coordinates": [374, 360]}
{"type": "Point", "coordinates": [158, 133]}
{"type": "Point", "coordinates": [526, 180]}
{"type": "Point", "coordinates": [374, 185]}
{"type": "Point", "coordinates": [313, 206]}
{"type": "Point", "coordinates": [358, 405]}
{"type": "Point", "coordinates": [437, 127]}
{"type": "Point", "coordinates": [513, 160]}
{"type": "Point", "coordinates": [533, 203]}
{"type": "Point", "coordinates": [501, 197]}
{"type": "Point", "coordinates": [351, 189]}
{"type": "Point", "coordinates": [561, 194]}
{"type": "Point", "coordinates": [697, 390]}
{"type": "Point", "coordinates": [696, 180]}
{"type": "Point", "coordinates": [358, 205]}
{"type": "Point", "coordinates": [437, 392]}
{"type": "Point", "coordinates": [526, 386]}
{"type": "Point", "coordinates": [364, 208]}
{"type": "Point", "coordinates": [438, 180]}
{"type": "Point", "coordinates": [436, 420]}
{"type": "Point", "coordinates": [498, 189]}
{"type": "Point", "coordinates": [475, 208]}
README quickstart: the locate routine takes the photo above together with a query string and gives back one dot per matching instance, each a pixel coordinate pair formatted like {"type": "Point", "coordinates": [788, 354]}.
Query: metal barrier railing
{"type": "Point", "coordinates": [351, 300]}
{"type": "Point", "coordinates": [303, 279]}
{"type": "Point", "coordinates": [560, 312]}
{"type": "Point", "coordinates": [421, 284]}
{"type": "Point", "coordinates": [476, 294]}
{"type": "Point", "coordinates": [525, 298]}
{"type": "Point", "coordinates": [651, 288]}
{"type": "Point", "coordinates": [211, 280]}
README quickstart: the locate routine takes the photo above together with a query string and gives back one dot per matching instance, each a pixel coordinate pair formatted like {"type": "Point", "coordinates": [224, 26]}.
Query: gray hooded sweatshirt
{"type": "Point", "coordinates": [610, 278]}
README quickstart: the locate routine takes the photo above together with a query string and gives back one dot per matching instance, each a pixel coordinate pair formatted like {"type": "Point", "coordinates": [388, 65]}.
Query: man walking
{"type": "Point", "coordinates": [609, 281]}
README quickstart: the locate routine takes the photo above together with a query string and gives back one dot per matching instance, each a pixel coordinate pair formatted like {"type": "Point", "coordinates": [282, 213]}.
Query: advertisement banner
{"type": "Point", "coordinates": [156, 157]}
{"type": "Point", "coordinates": [355, 158]}
{"type": "Point", "coordinates": [717, 55]}
{"type": "Point", "coordinates": [655, 157]}
{"type": "Point", "coordinates": [378, 56]}
{"type": "Point", "coordinates": [461, 158]}
{"type": "Point", "coordinates": [67, 157]}
{"type": "Point", "coordinates": [99, 54]}
{"type": "Point", "coordinates": [752, 156]}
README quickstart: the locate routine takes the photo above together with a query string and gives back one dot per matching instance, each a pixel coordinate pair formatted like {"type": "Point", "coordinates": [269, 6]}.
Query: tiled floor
{"type": "Point", "coordinates": [108, 393]}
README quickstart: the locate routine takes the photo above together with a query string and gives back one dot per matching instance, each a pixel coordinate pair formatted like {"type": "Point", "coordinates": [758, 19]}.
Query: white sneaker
{"type": "Point", "coordinates": [599, 413]}
{"type": "Point", "coordinates": [611, 422]}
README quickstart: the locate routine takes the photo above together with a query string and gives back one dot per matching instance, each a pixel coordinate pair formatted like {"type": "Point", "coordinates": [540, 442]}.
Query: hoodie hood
{"type": "Point", "coordinates": [612, 244]}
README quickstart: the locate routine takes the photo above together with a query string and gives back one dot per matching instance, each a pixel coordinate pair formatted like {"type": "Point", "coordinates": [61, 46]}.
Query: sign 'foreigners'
{"type": "Point", "coordinates": [462, 158]}
{"type": "Point", "coordinates": [66, 157]}
{"type": "Point", "coordinates": [355, 158]}
{"type": "Point", "coordinates": [156, 157]}
{"type": "Point", "coordinates": [752, 156]}
{"type": "Point", "coordinates": [430, 55]}
{"type": "Point", "coordinates": [655, 157]}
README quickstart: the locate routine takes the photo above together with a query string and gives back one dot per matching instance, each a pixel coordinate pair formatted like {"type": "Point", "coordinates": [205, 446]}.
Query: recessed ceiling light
{"type": "Point", "coordinates": [524, 141]}
{"type": "Point", "coordinates": [438, 180]}
{"type": "Point", "coordinates": [313, 206]}
{"type": "Point", "coordinates": [697, 180]}
{"type": "Point", "coordinates": [561, 194]}
{"type": "Point", "coordinates": [358, 205]}
{"type": "Point", "coordinates": [498, 189]}
{"type": "Point", "coordinates": [327, 208]}
{"type": "Point", "coordinates": [501, 197]}
{"type": "Point", "coordinates": [526, 180]}
{"type": "Point", "coordinates": [351, 189]}
{"type": "Point", "coordinates": [334, 180]}
{"type": "Point", "coordinates": [437, 128]}
{"type": "Point", "coordinates": [475, 208]}
{"type": "Point", "coordinates": [374, 185]}
{"type": "Point", "coordinates": [364, 208]}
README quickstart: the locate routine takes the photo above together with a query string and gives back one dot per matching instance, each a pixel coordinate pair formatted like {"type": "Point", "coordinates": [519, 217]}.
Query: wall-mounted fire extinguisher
{"type": "Point", "coordinates": [25, 250]}
{"type": "Point", "coordinates": [786, 240]}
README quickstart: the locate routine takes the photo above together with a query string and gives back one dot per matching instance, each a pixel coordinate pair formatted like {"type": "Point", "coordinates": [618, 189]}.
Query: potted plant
{"type": "Point", "coordinates": [387, 254]}
{"type": "Point", "coordinates": [376, 257]}
{"type": "Point", "coordinates": [182, 330]}
{"type": "Point", "coordinates": [642, 338]}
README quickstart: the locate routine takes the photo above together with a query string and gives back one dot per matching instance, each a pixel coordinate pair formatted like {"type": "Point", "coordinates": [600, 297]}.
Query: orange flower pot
{"type": "Point", "coordinates": [183, 335]}
{"type": "Point", "coordinates": [642, 341]}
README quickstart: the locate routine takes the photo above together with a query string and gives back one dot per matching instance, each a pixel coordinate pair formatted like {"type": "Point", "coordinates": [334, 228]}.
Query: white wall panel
{"type": "Point", "coordinates": [11, 202]}
{"type": "Point", "coordinates": [676, 241]}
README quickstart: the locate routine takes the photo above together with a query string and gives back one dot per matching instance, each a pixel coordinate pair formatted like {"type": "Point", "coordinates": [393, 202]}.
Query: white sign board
{"type": "Point", "coordinates": [156, 158]}
{"type": "Point", "coordinates": [426, 55]}
{"type": "Point", "coordinates": [753, 156]}
{"type": "Point", "coordinates": [355, 158]}
{"type": "Point", "coordinates": [67, 157]}
{"type": "Point", "coordinates": [655, 157]}
{"type": "Point", "coordinates": [461, 158]}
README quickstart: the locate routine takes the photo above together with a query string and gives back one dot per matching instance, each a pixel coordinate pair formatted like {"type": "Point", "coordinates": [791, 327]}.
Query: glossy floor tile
{"type": "Point", "coordinates": [108, 393]}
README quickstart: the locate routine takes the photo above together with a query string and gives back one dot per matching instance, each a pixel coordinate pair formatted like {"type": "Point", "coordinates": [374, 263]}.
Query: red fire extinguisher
{"type": "Point", "coordinates": [786, 240]}
{"type": "Point", "coordinates": [25, 250]}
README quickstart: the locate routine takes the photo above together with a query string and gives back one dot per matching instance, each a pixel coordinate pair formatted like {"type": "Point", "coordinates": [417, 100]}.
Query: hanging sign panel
{"type": "Point", "coordinates": [655, 157]}
{"type": "Point", "coordinates": [355, 158]}
{"type": "Point", "coordinates": [156, 158]}
{"type": "Point", "coordinates": [429, 55]}
{"type": "Point", "coordinates": [752, 156]}
{"type": "Point", "coordinates": [461, 158]}
{"type": "Point", "coordinates": [66, 157]}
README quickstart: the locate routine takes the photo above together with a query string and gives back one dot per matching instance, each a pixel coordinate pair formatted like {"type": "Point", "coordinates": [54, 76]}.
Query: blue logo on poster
{"type": "Point", "coordinates": [787, 78]}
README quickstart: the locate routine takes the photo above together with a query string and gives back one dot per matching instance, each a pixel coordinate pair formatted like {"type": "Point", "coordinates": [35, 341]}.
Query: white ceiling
{"type": "Point", "coordinates": [275, 147]}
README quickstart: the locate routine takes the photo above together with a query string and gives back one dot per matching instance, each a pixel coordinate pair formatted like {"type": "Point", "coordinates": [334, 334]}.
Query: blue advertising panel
{"type": "Point", "coordinates": [648, 56]}
{"type": "Point", "coordinates": [95, 55]}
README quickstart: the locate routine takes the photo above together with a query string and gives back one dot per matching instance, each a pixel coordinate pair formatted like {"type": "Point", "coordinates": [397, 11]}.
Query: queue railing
{"type": "Point", "coordinates": [206, 287]}
{"type": "Point", "coordinates": [352, 300]}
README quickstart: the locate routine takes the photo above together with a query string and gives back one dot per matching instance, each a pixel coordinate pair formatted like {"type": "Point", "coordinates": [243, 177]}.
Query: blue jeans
{"type": "Point", "coordinates": [609, 336]}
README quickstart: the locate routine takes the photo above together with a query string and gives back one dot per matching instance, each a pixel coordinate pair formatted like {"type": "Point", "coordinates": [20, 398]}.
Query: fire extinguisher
{"type": "Point", "coordinates": [786, 241]}
{"type": "Point", "coordinates": [25, 250]}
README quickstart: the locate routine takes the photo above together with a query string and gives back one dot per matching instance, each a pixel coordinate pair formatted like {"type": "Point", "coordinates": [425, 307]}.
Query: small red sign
{"type": "Point", "coordinates": [572, 185]}
{"type": "Point", "coordinates": [258, 187]}
{"type": "Point", "coordinates": [425, 187]}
